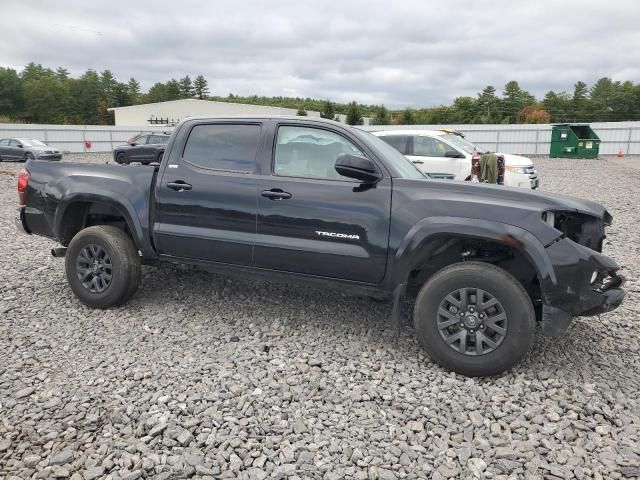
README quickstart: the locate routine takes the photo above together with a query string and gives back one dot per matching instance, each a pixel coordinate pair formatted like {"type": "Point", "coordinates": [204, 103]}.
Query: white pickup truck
{"type": "Point", "coordinates": [441, 152]}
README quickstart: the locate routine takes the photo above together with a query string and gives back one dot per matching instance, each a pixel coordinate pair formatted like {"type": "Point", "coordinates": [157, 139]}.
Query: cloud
{"type": "Point", "coordinates": [400, 53]}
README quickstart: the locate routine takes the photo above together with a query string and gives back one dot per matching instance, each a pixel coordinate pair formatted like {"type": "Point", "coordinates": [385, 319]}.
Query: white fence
{"type": "Point", "coordinates": [76, 138]}
{"type": "Point", "coordinates": [524, 139]}
{"type": "Point", "coordinates": [535, 139]}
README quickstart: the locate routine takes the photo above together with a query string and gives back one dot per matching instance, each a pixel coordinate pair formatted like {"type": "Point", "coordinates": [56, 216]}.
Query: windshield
{"type": "Point", "coordinates": [31, 143]}
{"type": "Point", "coordinates": [403, 166]}
{"type": "Point", "coordinates": [461, 143]}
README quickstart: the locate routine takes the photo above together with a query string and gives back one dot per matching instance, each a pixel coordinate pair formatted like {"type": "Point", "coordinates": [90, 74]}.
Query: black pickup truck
{"type": "Point", "coordinates": [317, 201]}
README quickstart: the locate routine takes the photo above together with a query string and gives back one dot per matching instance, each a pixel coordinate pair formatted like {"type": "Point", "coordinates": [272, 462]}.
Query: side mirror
{"type": "Point", "coordinates": [453, 154]}
{"type": "Point", "coordinates": [355, 166]}
{"type": "Point", "coordinates": [20, 145]}
{"type": "Point", "coordinates": [133, 144]}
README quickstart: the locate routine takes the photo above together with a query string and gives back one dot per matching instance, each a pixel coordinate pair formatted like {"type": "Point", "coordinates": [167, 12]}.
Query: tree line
{"type": "Point", "coordinates": [605, 101]}
{"type": "Point", "coordinates": [42, 95]}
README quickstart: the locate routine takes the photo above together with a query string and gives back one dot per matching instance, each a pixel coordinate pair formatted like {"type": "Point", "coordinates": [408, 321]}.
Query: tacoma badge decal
{"type": "Point", "coordinates": [338, 235]}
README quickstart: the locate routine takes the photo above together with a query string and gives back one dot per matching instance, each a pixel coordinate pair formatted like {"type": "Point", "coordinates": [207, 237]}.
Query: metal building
{"type": "Point", "coordinates": [163, 113]}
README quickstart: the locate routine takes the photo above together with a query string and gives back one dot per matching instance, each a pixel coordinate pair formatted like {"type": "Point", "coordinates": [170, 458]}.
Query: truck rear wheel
{"type": "Point", "coordinates": [103, 266]}
{"type": "Point", "coordinates": [475, 319]}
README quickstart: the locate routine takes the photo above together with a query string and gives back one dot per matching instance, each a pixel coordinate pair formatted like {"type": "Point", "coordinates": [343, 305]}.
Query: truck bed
{"type": "Point", "coordinates": [54, 186]}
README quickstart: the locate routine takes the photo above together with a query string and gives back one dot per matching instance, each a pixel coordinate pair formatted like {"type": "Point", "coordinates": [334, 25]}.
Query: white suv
{"type": "Point", "coordinates": [440, 152]}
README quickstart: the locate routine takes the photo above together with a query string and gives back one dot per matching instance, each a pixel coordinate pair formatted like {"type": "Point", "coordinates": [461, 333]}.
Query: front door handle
{"type": "Point", "coordinates": [276, 194]}
{"type": "Point", "coordinates": [417, 162]}
{"type": "Point", "coordinates": [179, 185]}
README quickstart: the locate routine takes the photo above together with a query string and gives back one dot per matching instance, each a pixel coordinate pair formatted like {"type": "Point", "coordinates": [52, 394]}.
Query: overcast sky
{"type": "Point", "coordinates": [400, 53]}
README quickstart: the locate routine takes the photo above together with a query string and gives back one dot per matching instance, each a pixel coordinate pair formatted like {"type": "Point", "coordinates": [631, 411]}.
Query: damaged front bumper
{"type": "Point", "coordinates": [584, 283]}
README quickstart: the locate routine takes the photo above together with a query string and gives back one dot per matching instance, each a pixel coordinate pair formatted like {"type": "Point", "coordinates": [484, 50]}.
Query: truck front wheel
{"type": "Point", "coordinates": [475, 319]}
{"type": "Point", "coordinates": [103, 266]}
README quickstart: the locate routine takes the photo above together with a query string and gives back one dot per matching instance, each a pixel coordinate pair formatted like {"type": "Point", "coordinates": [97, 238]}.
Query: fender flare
{"type": "Point", "coordinates": [112, 199]}
{"type": "Point", "coordinates": [429, 228]}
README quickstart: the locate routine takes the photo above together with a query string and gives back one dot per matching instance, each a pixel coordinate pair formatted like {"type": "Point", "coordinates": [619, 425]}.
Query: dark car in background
{"type": "Point", "coordinates": [144, 148]}
{"type": "Point", "coordinates": [22, 149]}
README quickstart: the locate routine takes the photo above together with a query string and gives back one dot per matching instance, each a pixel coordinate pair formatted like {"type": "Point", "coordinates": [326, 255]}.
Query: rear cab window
{"type": "Point", "coordinates": [223, 147]}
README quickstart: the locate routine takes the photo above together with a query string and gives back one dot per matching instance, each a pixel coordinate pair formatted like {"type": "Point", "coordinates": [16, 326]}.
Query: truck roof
{"type": "Point", "coordinates": [431, 133]}
{"type": "Point", "coordinates": [266, 117]}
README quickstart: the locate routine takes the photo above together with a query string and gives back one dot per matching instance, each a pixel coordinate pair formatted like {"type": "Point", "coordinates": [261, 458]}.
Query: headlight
{"type": "Point", "coordinates": [516, 169]}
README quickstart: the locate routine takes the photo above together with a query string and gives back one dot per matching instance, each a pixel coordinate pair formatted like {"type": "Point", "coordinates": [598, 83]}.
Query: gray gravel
{"type": "Point", "coordinates": [207, 377]}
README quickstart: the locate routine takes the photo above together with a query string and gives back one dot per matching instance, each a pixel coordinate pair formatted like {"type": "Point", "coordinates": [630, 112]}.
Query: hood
{"type": "Point", "coordinates": [520, 207]}
{"type": "Point", "coordinates": [523, 198]}
{"type": "Point", "coordinates": [516, 160]}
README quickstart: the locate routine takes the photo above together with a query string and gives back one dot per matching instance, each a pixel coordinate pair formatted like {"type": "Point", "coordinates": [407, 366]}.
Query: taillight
{"type": "Point", "coordinates": [23, 181]}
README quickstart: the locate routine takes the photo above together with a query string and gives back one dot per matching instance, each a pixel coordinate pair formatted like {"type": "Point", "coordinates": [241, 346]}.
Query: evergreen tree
{"type": "Point", "coordinates": [464, 110]}
{"type": "Point", "coordinates": [62, 74]}
{"type": "Point", "coordinates": [34, 71]}
{"type": "Point", "coordinates": [408, 117]}
{"type": "Point", "coordinates": [186, 87]}
{"type": "Point", "coordinates": [157, 93]}
{"type": "Point", "coordinates": [201, 87]}
{"type": "Point", "coordinates": [382, 116]}
{"type": "Point", "coordinates": [579, 101]}
{"type": "Point", "coordinates": [43, 97]}
{"type": "Point", "coordinates": [515, 99]}
{"type": "Point", "coordinates": [173, 89]}
{"type": "Point", "coordinates": [85, 94]}
{"type": "Point", "coordinates": [133, 89]}
{"type": "Point", "coordinates": [354, 116]}
{"type": "Point", "coordinates": [488, 105]}
{"type": "Point", "coordinates": [558, 105]}
{"type": "Point", "coordinates": [603, 95]}
{"type": "Point", "coordinates": [301, 112]}
{"type": "Point", "coordinates": [11, 97]}
{"type": "Point", "coordinates": [108, 85]}
{"type": "Point", "coordinates": [328, 111]}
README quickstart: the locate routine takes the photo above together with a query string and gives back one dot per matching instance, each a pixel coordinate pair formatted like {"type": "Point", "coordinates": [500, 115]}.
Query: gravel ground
{"type": "Point", "coordinates": [207, 377]}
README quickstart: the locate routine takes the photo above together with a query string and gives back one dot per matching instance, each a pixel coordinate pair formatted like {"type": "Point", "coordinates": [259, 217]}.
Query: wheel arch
{"type": "Point", "coordinates": [75, 213]}
{"type": "Point", "coordinates": [433, 237]}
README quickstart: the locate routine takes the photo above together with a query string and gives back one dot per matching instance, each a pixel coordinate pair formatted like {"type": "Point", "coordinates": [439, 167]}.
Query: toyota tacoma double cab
{"type": "Point", "coordinates": [312, 200]}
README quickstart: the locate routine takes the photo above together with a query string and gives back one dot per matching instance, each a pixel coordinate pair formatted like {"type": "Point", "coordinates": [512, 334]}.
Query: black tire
{"type": "Point", "coordinates": [145, 163]}
{"type": "Point", "coordinates": [124, 266]}
{"type": "Point", "coordinates": [512, 337]}
{"type": "Point", "coordinates": [28, 156]}
{"type": "Point", "coordinates": [122, 159]}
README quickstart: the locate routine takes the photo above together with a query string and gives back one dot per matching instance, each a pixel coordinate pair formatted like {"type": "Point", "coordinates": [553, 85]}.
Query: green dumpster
{"type": "Point", "coordinates": [574, 140]}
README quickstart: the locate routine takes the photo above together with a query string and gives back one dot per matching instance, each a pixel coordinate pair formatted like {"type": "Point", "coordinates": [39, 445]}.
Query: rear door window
{"type": "Point", "coordinates": [158, 139]}
{"type": "Point", "coordinates": [399, 142]}
{"type": "Point", "coordinates": [429, 147]}
{"type": "Point", "coordinates": [225, 147]}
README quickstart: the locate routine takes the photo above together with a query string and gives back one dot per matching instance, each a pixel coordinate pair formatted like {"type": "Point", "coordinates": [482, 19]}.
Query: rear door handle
{"type": "Point", "coordinates": [417, 162]}
{"type": "Point", "coordinates": [276, 194]}
{"type": "Point", "coordinates": [179, 185]}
